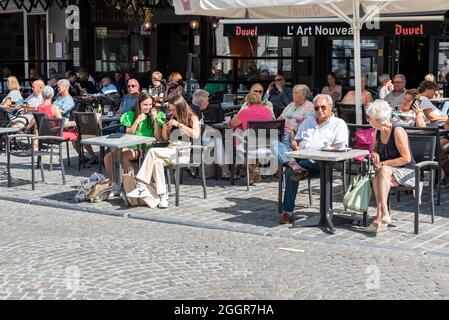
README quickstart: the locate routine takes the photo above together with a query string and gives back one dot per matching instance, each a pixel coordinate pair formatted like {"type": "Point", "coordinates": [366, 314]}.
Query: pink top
{"type": "Point", "coordinates": [47, 110]}
{"type": "Point", "coordinates": [256, 112]}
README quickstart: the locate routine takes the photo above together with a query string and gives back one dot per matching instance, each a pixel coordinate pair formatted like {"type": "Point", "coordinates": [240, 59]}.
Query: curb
{"type": "Point", "coordinates": [214, 226]}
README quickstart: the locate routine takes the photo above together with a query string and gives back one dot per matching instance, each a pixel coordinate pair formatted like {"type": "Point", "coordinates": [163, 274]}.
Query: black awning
{"type": "Point", "coordinates": [332, 29]}
{"type": "Point", "coordinates": [29, 5]}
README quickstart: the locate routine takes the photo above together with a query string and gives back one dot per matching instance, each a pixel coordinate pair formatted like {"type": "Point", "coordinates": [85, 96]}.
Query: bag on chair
{"type": "Point", "coordinates": [363, 140]}
{"type": "Point", "coordinates": [359, 194]}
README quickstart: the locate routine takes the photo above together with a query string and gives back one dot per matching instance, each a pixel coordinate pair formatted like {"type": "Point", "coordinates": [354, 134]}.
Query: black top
{"type": "Point", "coordinates": [390, 151]}
{"type": "Point", "coordinates": [197, 111]}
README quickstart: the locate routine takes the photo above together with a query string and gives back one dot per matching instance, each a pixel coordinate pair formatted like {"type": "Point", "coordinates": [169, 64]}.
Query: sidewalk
{"type": "Point", "coordinates": [231, 208]}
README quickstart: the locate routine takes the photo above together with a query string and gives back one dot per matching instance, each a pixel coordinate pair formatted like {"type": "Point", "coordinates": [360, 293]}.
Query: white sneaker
{"type": "Point", "coordinates": [140, 192]}
{"type": "Point", "coordinates": [151, 201]}
{"type": "Point", "coordinates": [164, 201]}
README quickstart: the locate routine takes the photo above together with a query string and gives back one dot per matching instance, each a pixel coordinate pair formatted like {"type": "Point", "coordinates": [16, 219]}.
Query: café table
{"type": "Point", "coordinates": [326, 161]}
{"type": "Point", "coordinates": [116, 143]}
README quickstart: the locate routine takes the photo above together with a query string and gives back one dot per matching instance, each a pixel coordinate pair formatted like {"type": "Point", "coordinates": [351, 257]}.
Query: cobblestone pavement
{"type": "Point", "coordinates": [62, 254]}
{"type": "Point", "coordinates": [231, 208]}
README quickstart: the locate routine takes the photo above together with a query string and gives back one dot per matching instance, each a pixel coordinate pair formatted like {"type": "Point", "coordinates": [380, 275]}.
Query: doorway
{"type": "Point", "coordinates": [414, 59]}
{"type": "Point", "coordinates": [173, 48]}
{"type": "Point", "coordinates": [37, 44]}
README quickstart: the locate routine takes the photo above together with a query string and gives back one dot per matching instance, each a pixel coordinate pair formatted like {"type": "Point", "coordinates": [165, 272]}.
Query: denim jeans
{"type": "Point", "coordinates": [291, 187]}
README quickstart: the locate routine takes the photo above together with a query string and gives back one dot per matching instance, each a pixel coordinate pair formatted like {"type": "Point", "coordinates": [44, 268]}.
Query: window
{"type": "Point", "coordinates": [121, 48]}
{"type": "Point", "coordinates": [343, 61]}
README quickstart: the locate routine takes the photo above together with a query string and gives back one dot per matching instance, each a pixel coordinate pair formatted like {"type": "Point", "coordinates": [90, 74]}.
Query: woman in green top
{"type": "Point", "coordinates": [144, 121]}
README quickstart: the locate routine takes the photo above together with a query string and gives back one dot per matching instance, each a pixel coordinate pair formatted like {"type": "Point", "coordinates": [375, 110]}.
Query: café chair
{"type": "Point", "coordinates": [423, 150]}
{"type": "Point", "coordinates": [50, 135]}
{"type": "Point", "coordinates": [89, 126]}
{"type": "Point", "coordinates": [347, 112]}
{"type": "Point", "coordinates": [262, 133]}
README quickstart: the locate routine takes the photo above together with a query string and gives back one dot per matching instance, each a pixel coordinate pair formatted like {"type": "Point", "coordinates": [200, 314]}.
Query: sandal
{"type": "Point", "coordinates": [376, 228]}
{"type": "Point", "coordinates": [387, 220]}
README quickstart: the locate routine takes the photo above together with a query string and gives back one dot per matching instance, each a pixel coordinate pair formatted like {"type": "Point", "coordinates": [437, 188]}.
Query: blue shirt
{"type": "Point", "coordinates": [15, 96]}
{"type": "Point", "coordinates": [128, 104]}
{"type": "Point", "coordinates": [65, 104]}
{"type": "Point", "coordinates": [109, 89]}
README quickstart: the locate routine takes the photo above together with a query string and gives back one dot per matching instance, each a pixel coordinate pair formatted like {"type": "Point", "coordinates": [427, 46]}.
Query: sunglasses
{"type": "Point", "coordinates": [132, 86]}
{"type": "Point", "coordinates": [258, 91]}
{"type": "Point", "coordinates": [154, 79]}
{"type": "Point", "coordinates": [323, 108]}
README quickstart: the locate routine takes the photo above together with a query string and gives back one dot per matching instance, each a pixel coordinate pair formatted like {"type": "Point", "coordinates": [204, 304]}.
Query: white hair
{"type": "Point", "coordinates": [303, 89]}
{"type": "Point", "coordinates": [380, 110]}
{"type": "Point", "coordinates": [64, 83]}
{"type": "Point", "coordinates": [200, 95]}
{"type": "Point", "coordinates": [384, 77]}
{"type": "Point", "coordinates": [48, 93]}
{"type": "Point", "coordinates": [330, 101]}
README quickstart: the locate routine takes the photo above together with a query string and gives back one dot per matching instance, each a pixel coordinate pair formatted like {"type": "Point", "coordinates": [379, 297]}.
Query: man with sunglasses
{"type": "Point", "coordinates": [313, 133]}
{"type": "Point", "coordinates": [129, 101]}
{"type": "Point", "coordinates": [279, 95]}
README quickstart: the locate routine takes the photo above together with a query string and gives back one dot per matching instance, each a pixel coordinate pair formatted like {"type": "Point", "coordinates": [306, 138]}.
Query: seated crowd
{"type": "Point", "coordinates": [162, 112]}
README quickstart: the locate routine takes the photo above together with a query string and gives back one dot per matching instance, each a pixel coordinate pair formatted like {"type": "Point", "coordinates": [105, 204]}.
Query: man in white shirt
{"type": "Point", "coordinates": [35, 99]}
{"type": "Point", "coordinates": [312, 134]}
{"type": "Point", "coordinates": [396, 97]}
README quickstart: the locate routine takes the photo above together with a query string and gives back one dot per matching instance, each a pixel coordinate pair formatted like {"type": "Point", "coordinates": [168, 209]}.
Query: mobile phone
{"type": "Point", "coordinates": [169, 117]}
{"type": "Point", "coordinates": [416, 103]}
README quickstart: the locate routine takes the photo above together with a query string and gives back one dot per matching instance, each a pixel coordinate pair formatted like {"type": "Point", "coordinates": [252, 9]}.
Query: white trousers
{"type": "Point", "coordinates": [153, 167]}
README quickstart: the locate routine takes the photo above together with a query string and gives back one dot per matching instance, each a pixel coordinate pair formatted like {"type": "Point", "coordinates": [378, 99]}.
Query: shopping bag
{"type": "Point", "coordinates": [129, 184]}
{"type": "Point", "coordinates": [359, 194]}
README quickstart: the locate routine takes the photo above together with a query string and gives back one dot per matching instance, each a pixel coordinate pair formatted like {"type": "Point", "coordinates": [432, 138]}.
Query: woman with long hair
{"type": "Point", "coordinates": [183, 124]}
{"type": "Point", "coordinates": [144, 121]}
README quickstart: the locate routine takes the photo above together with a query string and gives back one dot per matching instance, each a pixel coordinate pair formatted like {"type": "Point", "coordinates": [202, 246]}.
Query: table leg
{"type": "Point", "coordinates": [119, 178]}
{"type": "Point", "coordinates": [324, 219]}
{"type": "Point", "coordinates": [326, 213]}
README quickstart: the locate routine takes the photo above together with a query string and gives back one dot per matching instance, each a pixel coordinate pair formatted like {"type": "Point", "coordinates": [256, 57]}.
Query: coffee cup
{"type": "Point", "coordinates": [342, 146]}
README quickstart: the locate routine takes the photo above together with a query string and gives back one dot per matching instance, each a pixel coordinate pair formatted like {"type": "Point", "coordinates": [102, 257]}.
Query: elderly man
{"type": "Point", "coordinates": [200, 102]}
{"type": "Point", "coordinates": [107, 87]}
{"type": "Point", "coordinates": [396, 97]}
{"type": "Point", "coordinates": [129, 101]}
{"type": "Point", "coordinates": [35, 99]}
{"type": "Point", "coordinates": [313, 133]}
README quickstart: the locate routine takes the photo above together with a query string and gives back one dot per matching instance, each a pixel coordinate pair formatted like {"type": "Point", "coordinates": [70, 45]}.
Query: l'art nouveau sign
{"type": "Point", "coordinates": [406, 28]}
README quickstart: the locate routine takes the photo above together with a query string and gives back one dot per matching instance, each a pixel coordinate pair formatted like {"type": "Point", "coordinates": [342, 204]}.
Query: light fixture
{"type": "Point", "coordinates": [214, 25]}
{"type": "Point", "coordinates": [148, 24]}
{"type": "Point", "coordinates": [194, 24]}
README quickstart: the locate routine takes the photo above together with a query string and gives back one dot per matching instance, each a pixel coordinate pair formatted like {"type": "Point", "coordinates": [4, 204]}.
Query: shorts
{"type": "Point", "coordinates": [404, 176]}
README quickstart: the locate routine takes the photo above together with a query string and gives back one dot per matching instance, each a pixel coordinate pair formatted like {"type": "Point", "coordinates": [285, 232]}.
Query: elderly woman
{"type": "Point", "coordinates": [258, 88]}
{"type": "Point", "coordinates": [64, 100]}
{"type": "Point", "coordinates": [367, 97]}
{"type": "Point", "coordinates": [392, 159]}
{"type": "Point", "coordinates": [297, 111]}
{"type": "Point", "coordinates": [409, 113]}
